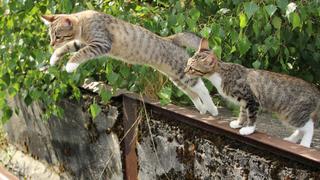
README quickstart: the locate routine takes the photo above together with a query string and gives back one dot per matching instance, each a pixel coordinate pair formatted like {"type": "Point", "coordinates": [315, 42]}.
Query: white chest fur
{"type": "Point", "coordinates": [216, 80]}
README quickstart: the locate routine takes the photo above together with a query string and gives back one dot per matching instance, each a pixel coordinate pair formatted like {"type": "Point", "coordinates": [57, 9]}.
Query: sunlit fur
{"type": "Point", "coordinates": [92, 34]}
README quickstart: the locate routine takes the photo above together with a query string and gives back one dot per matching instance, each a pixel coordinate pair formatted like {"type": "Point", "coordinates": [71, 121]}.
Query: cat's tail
{"type": "Point", "coordinates": [185, 39]}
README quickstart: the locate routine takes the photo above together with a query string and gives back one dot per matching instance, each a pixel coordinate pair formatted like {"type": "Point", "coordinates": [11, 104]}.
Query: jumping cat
{"type": "Point", "coordinates": [294, 100]}
{"type": "Point", "coordinates": [92, 34]}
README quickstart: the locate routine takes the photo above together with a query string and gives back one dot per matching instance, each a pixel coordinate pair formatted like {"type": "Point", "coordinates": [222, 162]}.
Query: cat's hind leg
{"type": "Point", "coordinates": [295, 136]}
{"type": "Point", "coordinates": [307, 131]}
{"type": "Point", "coordinates": [201, 90]}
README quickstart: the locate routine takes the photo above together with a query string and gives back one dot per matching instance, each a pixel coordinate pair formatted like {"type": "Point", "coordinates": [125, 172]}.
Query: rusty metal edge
{"type": "Point", "coordinates": [130, 155]}
{"type": "Point", "coordinates": [5, 173]}
{"type": "Point", "coordinates": [277, 146]}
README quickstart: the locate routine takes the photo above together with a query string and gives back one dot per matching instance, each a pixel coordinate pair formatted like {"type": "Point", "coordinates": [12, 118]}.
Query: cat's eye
{"type": "Point", "coordinates": [58, 37]}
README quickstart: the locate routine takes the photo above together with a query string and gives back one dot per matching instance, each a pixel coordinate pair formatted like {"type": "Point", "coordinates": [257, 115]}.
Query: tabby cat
{"type": "Point", "coordinates": [294, 100]}
{"type": "Point", "coordinates": [91, 34]}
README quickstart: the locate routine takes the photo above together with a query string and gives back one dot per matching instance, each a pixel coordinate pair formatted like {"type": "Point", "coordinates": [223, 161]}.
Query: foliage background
{"type": "Point", "coordinates": [273, 34]}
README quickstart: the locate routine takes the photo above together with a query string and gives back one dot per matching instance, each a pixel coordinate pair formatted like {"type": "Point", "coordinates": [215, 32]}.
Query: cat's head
{"type": "Point", "coordinates": [62, 28]}
{"type": "Point", "coordinates": [203, 61]}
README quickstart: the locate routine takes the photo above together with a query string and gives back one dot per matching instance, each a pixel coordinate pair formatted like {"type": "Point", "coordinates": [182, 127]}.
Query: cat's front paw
{"type": "Point", "coordinates": [235, 124]}
{"type": "Point", "coordinates": [202, 110]}
{"type": "Point", "coordinates": [70, 67]}
{"type": "Point", "coordinates": [214, 111]}
{"type": "Point", "coordinates": [53, 59]}
{"type": "Point", "coordinates": [247, 130]}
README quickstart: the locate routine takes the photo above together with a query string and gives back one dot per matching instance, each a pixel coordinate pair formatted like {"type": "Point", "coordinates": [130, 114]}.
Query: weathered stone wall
{"type": "Point", "coordinates": [77, 145]}
{"type": "Point", "coordinates": [183, 152]}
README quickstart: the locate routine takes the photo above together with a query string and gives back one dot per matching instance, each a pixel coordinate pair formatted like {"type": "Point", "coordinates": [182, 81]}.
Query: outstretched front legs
{"type": "Point", "coordinates": [199, 95]}
{"type": "Point", "coordinates": [201, 90]}
{"type": "Point", "coordinates": [85, 52]}
{"type": "Point", "coordinates": [71, 46]}
{"type": "Point", "coordinates": [94, 49]}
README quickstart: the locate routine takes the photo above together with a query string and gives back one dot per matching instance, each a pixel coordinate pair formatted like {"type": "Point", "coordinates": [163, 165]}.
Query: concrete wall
{"type": "Point", "coordinates": [77, 145]}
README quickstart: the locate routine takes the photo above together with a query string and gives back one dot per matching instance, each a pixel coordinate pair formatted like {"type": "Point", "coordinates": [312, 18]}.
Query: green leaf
{"type": "Point", "coordinates": [205, 32]}
{"type": "Point", "coordinates": [295, 20]}
{"type": "Point", "coordinates": [181, 19]}
{"type": "Point", "coordinates": [10, 24]}
{"type": "Point", "coordinates": [256, 28]}
{"type": "Point", "coordinates": [67, 5]}
{"type": "Point", "coordinates": [276, 22]}
{"type": "Point", "coordinates": [165, 95]}
{"type": "Point", "coordinates": [172, 20]}
{"type": "Point", "coordinates": [250, 8]}
{"type": "Point", "coordinates": [256, 64]}
{"type": "Point", "coordinates": [217, 51]}
{"type": "Point", "coordinates": [272, 43]}
{"type": "Point", "coordinates": [271, 9]}
{"type": "Point", "coordinates": [234, 36]}
{"type": "Point", "coordinates": [309, 28]}
{"type": "Point", "coordinates": [113, 77]}
{"type": "Point", "coordinates": [28, 100]}
{"type": "Point", "coordinates": [6, 78]}
{"type": "Point", "coordinates": [125, 71]}
{"type": "Point", "coordinates": [243, 45]}
{"type": "Point", "coordinates": [195, 14]}
{"type": "Point", "coordinates": [89, 5]}
{"type": "Point", "coordinates": [6, 114]}
{"type": "Point", "coordinates": [178, 29]}
{"type": "Point", "coordinates": [105, 95]}
{"type": "Point", "coordinates": [95, 110]}
{"type": "Point", "coordinates": [192, 24]}
{"type": "Point", "coordinates": [243, 20]}
{"type": "Point", "coordinates": [282, 4]}
{"type": "Point", "coordinates": [109, 68]}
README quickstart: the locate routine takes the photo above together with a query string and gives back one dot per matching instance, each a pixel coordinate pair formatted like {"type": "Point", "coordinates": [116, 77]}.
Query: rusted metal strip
{"type": "Point", "coordinates": [6, 175]}
{"type": "Point", "coordinates": [129, 118]}
{"type": "Point", "coordinates": [295, 152]}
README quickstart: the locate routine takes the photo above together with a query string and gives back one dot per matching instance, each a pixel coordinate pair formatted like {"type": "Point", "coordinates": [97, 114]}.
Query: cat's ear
{"type": "Point", "coordinates": [47, 19]}
{"type": "Point", "coordinates": [67, 22]}
{"type": "Point", "coordinates": [204, 44]}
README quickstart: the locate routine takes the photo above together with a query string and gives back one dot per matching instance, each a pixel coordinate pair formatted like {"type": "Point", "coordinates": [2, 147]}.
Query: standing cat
{"type": "Point", "coordinates": [294, 100]}
{"type": "Point", "coordinates": [94, 34]}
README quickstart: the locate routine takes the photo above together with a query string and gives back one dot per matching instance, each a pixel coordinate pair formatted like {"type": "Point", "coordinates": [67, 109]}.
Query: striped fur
{"type": "Point", "coordinates": [94, 34]}
{"type": "Point", "coordinates": [295, 101]}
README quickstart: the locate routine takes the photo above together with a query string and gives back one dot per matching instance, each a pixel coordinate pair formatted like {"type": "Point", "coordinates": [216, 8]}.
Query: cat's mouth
{"type": "Point", "coordinates": [192, 71]}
